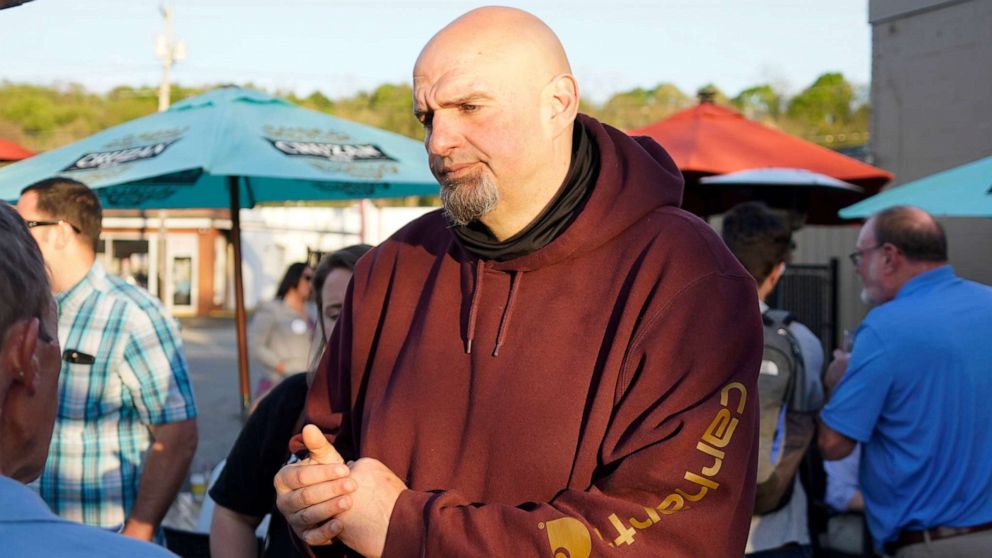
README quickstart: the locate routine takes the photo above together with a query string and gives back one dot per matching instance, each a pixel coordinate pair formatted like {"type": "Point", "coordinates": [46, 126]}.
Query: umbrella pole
{"type": "Point", "coordinates": [239, 297]}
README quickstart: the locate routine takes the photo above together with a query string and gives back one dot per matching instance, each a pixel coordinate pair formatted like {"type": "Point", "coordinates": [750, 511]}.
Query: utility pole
{"type": "Point", "coordinates": [169, 51]}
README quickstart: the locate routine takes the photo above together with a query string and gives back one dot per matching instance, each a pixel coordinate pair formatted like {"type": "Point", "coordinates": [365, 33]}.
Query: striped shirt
{"type": "Point", "coordinates": [138, 377]}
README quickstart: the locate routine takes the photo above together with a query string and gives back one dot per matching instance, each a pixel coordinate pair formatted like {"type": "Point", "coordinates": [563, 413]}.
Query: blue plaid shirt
{"type": "Point", "coordinates": [138, 377]}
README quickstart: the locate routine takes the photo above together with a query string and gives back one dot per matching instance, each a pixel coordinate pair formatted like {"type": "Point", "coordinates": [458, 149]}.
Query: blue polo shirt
{"type": "Point", "coordinates": [918, 395]}
{"type": "Point", "coordinates": [28, 529]}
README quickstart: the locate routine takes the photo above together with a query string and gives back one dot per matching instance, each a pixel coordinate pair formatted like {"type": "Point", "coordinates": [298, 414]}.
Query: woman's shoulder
{"type": "Point", "coordinates": [274, 306]}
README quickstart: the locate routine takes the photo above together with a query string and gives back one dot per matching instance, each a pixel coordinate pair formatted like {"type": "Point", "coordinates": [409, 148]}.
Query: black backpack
{"type": "Point", "coordinates": [782, 402]}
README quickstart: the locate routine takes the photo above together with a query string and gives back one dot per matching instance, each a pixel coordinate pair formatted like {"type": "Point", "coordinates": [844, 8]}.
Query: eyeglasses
{"type": "Point", "coordinates": [44, 335]}
{"type": "Point", "coordinates": [858, 255]}
{"type": "Point", "coordinates": [33, 224]}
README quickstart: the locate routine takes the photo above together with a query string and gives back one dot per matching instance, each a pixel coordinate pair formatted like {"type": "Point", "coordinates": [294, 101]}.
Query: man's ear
{"type": "Point", "coordinates": [893, 258]}
{"type": "Point", "coordinates": [17, 353]}
{"type": "Point", "coordinates": [62, 235]}
{"type": "Point", "coordinates": [773, 277]}
{"type": "Point", "coordinates": [563, 97]}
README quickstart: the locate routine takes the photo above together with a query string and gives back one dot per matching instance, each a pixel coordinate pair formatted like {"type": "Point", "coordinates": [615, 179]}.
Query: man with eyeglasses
{"type": "Point", "coordinates": [29, 379]}
{"type": "Point", "coordinates": [917, 393]}
{"type": "Point", "coordinates": [126, 431]}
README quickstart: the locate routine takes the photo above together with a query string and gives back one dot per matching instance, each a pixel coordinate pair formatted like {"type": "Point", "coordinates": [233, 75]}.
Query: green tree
{"type": "Point", "coordinates": [825, 103]}
{"type": "Point", "coordinates": [759, 102]}
{"type": "Point", "coordinates": [639, 107]}
{"type": "Point", "coordinates": [830, 112]}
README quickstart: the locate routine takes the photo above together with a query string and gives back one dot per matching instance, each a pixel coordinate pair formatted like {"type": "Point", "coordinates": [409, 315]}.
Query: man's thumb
{"type": "Point", "coordinates": [321, 450]}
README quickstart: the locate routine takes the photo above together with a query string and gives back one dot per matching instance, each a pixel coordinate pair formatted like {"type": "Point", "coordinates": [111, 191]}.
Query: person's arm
{"type": "Point", "coordinates": [259, 335]}
{"type": "Point", "coordinates": [842, 491]}
{"type": "Point", "coordinates": [833, 444]}
{"type": "Point", "coordinates": [243, 492]}
{"type": "Point", "coordinates": [677, 462]}
{"type": "Point", "coordinates": [232, 534]}
{"type": "Point", "coordinates": [163, 473]}
{"type": "Point", "coordinates": [856, 386]}
{"type": "Point", "coordinates": [857, 502]}
{"type": "Point", "coordinates": [835, 371]}
{"type": "Point", "coordinates": [154, 371]}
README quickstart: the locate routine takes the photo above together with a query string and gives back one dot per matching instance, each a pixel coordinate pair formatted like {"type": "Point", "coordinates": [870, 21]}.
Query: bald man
{"type": "Point", "coordinates": [917, 393]}
{"type": "Point", "coordinates": [561, 362]}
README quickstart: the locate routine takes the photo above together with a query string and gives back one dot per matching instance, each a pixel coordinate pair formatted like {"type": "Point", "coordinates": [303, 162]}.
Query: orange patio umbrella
{"type": "Point", "coordinates": [709, 139]}
{"type": "Point", "coordinates": [10, 151]}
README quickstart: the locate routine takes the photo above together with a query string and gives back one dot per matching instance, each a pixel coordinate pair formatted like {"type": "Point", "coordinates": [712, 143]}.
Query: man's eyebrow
{"type": "Point", "coordinates": [468, 98]}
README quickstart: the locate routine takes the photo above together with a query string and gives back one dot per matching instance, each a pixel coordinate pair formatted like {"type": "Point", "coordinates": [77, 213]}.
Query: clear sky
{"type": "Point", "coordinates": [341, 46]}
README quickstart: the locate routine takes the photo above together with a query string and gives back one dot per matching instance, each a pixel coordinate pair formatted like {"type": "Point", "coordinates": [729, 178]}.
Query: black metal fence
{"type": "Point", "coordinates": [810, 293]}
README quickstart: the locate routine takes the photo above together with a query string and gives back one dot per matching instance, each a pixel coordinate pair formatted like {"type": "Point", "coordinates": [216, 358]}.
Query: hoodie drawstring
{"type": "Point", "coordinates": [504, 322]}
{"type": "Point", "coordinates": [473, 311]}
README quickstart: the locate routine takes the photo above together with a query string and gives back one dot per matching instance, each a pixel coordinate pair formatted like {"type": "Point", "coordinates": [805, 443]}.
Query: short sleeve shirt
{"type": "Point", "coordinates": [245, 484]}
{"type": "Point", "coordinates": [789, 524]}
{"type": "Point", "coordinates": [123, 369]}
{"type": "Point", "coordinates": [917, 394]}
{"type": "Point", "coordinates": [29, 530]}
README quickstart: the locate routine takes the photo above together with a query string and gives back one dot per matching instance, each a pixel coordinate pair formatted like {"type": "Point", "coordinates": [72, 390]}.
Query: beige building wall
{"type": "Point", "coordinates": [931, 98]}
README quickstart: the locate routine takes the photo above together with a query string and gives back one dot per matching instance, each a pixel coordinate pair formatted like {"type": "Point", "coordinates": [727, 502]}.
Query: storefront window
{"type": "Point", "coordinates": [129, 260]}
{"type": "Point", "coordinates": [182, 273]}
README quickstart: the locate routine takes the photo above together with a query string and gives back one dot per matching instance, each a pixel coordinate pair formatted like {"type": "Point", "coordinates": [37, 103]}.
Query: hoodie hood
{"type": "Point", "coordinates": [636, 177]}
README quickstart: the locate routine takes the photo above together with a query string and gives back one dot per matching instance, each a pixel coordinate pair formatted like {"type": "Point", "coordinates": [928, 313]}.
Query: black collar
{"type": "Point", "coordinates": [556, 216]}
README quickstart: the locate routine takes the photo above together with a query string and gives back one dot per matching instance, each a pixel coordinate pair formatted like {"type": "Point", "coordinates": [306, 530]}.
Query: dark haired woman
{"type": "Point", "coordinates": [281, 333]}
{"type": "Point", "coordinates": [244, 491]}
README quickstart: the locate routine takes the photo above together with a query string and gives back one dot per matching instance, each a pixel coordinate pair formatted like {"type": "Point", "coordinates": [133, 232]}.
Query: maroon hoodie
{"type": "Point", "coordinates": [607, 405]}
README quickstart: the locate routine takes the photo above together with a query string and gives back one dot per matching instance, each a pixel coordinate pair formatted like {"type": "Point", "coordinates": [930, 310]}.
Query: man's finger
{"type": "Point", "coordinates": [304, 474]}
{"type": "Point", "coordinates": [297, 500]}
{"type": "Point", "coordinates": [317, 514]}
{"type": "Point", "coordinates": [321, 451]}
{"type": "Point", "coordinates": [323, 534]}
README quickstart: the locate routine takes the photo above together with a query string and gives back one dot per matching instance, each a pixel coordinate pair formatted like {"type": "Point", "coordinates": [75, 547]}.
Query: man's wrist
{"type": "Point", "coordinates": [828, 392]}
{"type": "Point", "coordinates": [138, 530]}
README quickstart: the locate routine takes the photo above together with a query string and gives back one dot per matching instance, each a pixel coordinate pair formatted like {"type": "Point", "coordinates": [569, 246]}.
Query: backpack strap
{"type": "Point", "coordinates": [780, 423]}
{"type": "Point", "coordinates": [780, 320]}
{"type": "Point", "coordinates": [778, 317]}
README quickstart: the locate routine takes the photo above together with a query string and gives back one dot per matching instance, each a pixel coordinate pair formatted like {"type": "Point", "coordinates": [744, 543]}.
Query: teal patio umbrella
{"type": "Point", "coordinates": [233, 148]}
{"type": "Point", "coordinates": [964, 191]}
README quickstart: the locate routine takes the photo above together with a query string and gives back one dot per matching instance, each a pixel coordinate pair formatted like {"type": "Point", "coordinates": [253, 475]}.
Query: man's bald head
{"type": "Point", "coordinates": [913, 231]}
{"type": "Point", "coordinates": [497, 99]}
{"type": "Point", "coordinates": [499, 33]}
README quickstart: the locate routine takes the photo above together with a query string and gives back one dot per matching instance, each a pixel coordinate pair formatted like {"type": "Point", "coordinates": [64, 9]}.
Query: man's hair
{"type": "Point", "coordinates": [290, 279]}
{"type": "Point", "coordinates": [759, 238]}
{"type": "Point", "coordinates": [24, 288]}
{"type": "Point", "coordinates": [73, 202]}
{"type": "Point", "coordinates": [913, 231]}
